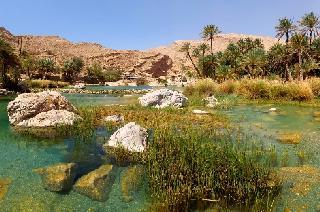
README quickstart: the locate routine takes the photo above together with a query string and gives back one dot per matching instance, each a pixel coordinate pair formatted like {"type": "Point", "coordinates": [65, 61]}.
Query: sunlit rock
{"type": "Point", "coordinates": [114, 118]}
{"type": "Point", "coordinates": [97, 184]}
{"type": "Point", "coordinates": [163, 98]}
{"type": "Point", "coordinates": [59, 177]}
{"type": "Point", "coordinates": [43, 109]}
{"type": "Point", "coordinates": [131, 137]}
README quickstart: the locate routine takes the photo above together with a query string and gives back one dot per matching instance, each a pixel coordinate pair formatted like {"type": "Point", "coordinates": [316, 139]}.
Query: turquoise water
{"type": "Point", "coordinates": [19, 155]}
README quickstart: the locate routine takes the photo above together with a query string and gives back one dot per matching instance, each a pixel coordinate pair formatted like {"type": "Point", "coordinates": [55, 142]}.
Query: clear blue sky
{"type": "Point", "coordinates": [142, 24]}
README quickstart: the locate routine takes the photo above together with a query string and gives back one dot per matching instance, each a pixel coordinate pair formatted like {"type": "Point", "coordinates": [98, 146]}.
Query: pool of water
{"type": "Point", "coordinates": [19, 155]}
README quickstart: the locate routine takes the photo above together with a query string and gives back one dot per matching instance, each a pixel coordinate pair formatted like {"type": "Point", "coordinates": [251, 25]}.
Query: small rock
{"type": "Point", "coordinates": [97, 184]}
{"type": "Point", "coordinates": [4, 187]}
{"type": "Point", "coordinates": [273, 109]}
{"type": "Point", "coordinates": [114, 118]}
{"type": "Point", "coordinates": [59, 177]}
{"type": "Point", "coordinates": [79, 86]}
{"type": "Point", "coordinates": [211, 101]}
{"type": "Point", "coordinates": [131, 137]}
{"type": "Point", "coordinates": [200, 112]}
{"type": "Point", "coordinates": [163, 98]}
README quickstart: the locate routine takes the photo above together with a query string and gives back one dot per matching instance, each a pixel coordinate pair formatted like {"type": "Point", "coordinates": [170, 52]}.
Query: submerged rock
{"type": "Point", "coordinates": [114, 118]}
{"type": "Point", "coordinates": [289, 138]}
{"type": "Point", "coordinates": [4, 187]}
{"type": "Point", "coordinates": [131, 180]}
{"type": "Point", "coordinates": [211, 101]}
{"type": "Point", "coordinates": [163, 98]}
{"type": "Point", "coordinates": [59, 177]}
{"type": "Point", "coordinates": [28, 105]}
{"type": "Point", "coordinates": [97, 184]}
{"type": "Point", "coordinates": [51, 118]}
{"type": "Point", "coordinates": [131, 137]}
{"type": "Point", "coordinates": [273, 109]}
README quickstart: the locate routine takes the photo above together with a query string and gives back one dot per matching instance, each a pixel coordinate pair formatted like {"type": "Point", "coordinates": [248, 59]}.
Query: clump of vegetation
{"type": "Point", "coordinates": [44, 84]}
{"type": "Point", "coordinates": [202, 87]}
{"type": "Point", "coordinates": [141, 81]}
{"type": "Point", "coordinates": [95, 74]}
{"type": "Point", "coordinates": [185, 166]}
{"type": "Point", "coordinates": [71, 68]}
{"type": "Point", "coordinates": [131, 180]}
{"type": "Point", "coordinates": [112, 75]}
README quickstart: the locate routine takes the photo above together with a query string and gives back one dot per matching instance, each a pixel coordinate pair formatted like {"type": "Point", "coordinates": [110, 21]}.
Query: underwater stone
{"type": "Point", "coordinates": [4, 186]}
{"type": "Point", "coordinates": [59, 177]}
{"type": "Point", "coordinates": [289, 138]}
{"type": "Point", "coordinates": [163, 98]}
{"type": "Point", "coordinates": [131, 137]}
{"type": "Point", "coordinates": [97, 184]}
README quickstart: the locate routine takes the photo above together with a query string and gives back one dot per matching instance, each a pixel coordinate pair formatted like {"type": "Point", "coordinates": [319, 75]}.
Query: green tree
{"type": "Point", "coordinates": [95, 74]}
{"type": "Point", "coordinates": [254, 62]}
{"type": "Point", "coordinates": [10, 66]}
{"type": "Point", "coordinates": [46, 67]}
{"type": "Point", "coordinates": [299, 46]}
{"type": "Point", "coordinates": [28, 65]}
{"type": "Point", "coordinates": [310, 23]}
{"type": "Point", "coordinates": [285, 28]}
{"type": "Point", "coordinates": [208, 33]}
{"type": "Point", "coordinates": [186, 48]}
{"type": "Point", "coordinates": [71, 68]}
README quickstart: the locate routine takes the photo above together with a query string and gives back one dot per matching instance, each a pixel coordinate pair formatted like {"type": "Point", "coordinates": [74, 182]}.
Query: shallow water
{"type": "Point", "coordinates": [19, 155]}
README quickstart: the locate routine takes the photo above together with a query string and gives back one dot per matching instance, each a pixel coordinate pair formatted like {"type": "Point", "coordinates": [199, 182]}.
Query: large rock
{"type": "Point", "coordinates": [131, 137]}
{"type": "Point", "coordinates": [97, 184]}
{"type": "Point", "coordinates": [59, 177]}
{"type": "Point", "coordinates": [163, 98]}
{"type": "Point", "coordinates": [30, 105]}
{"type": "Point", "coordinates": [50, 118]}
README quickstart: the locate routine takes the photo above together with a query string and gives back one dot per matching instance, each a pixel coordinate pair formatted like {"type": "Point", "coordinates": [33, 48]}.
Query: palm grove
{"type": "Point", "coordinates": [296, 58]}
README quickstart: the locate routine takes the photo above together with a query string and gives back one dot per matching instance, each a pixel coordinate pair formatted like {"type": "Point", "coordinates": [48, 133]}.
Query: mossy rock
{"type": "Point", "coordinates": [4, 186]}
{"type": "Point", "coordinates": [59, 177]}
{"type": "Point", "coordinates": [97, 184]}
{"type": "Point", "coordinates": [131, 180]}
{"type": "Point", "coordinates": [289, 138]}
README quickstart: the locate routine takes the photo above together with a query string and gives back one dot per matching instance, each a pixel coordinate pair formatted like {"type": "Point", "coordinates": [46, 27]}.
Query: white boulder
{"type": "Point", "coordinates": [34, 106]}
{"type": "Point", "coordinates": [163, 98]}
{"type": "Point", "coordinates": [201, 112]}
{"type": "Point", "coordinates": [50, 119]}
{"type": "Point", "coordinates": [114, 118]}
{"type": "Point", "coordinates": [131, 137]}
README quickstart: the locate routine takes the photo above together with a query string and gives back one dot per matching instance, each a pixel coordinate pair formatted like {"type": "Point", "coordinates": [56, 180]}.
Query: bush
{"type": "Point", "coordinates": [254, 89]}
{"type": "Point", "coordinates": [112, 75]}
{"type": "Point", "coordinates": [43, 84]}
{"type": "Point", "coordinates": [202, 87]}
{"type": "Point", "coordinates": [141, 81]}
{"type": "Point", "coordinates": [315, 86]}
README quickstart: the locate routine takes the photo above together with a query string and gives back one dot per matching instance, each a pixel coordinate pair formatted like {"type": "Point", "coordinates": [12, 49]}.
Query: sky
{"type": "Point", "coordinates": [144, 24]}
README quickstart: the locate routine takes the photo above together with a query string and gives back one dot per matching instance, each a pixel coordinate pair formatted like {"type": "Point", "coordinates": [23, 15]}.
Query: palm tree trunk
{"type": "Point", "coordinates": [310, 35]}
{"type": "Point", "coordinates": [193, 64]}
{"type": "Point", "coordinates": [211, 44]}
{"type": "Point", "coordinates": [287, 38]}
{"type": "Point", "coordinates": [300, 66]}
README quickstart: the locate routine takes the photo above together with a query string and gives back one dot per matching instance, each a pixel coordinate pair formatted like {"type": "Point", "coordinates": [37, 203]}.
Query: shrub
{"type": "Point", "coordinates": [315, 86]}
{"type": "Point", "coordinates": [43, 84]}
{"type": "Point", "coordinates": [112, 75]}
{"type": "Point", "coordinates": [95, 74]}
{"type": "Point", "coordinates": [141, 81]}
{"type": "Point", "coordinates": [202, 87]}
{"type": "Point", "coordinates": [228, 87]}
{"type": "Point", "coordinates": [254, 89]}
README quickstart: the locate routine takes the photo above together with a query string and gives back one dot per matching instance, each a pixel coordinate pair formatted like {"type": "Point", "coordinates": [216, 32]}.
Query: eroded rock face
{"type": "Point", "coordinates": [59, 177]}
{"type": "Point", "coordinates": [131, 137]}
{"type": "Point", "coordinates": [163, 98]}
{"type": "Point", "coordinates": [39, 110]}
{"type": "Point", "coordinates": [97, 184]}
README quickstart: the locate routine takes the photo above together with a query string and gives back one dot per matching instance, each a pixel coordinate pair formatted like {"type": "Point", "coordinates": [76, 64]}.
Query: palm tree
{"type": "Point", "coordinates": [186, 47]}
{"type": "Point", "coordinates": [310, 23]}
{"type": "Point", "coordinates": [254, 61]}
{"type": "Point", "coordinates": [310, 64]}
{"type": "Point", "coordinates": [208, 32]}
{"type": "Point", "coordinates": [285, 28]}
{"type": "Point", "coordinates": [298, 44]}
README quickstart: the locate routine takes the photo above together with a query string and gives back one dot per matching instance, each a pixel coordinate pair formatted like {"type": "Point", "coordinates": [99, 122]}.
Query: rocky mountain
{"type": "Point", "coordinates": [156, 62]}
